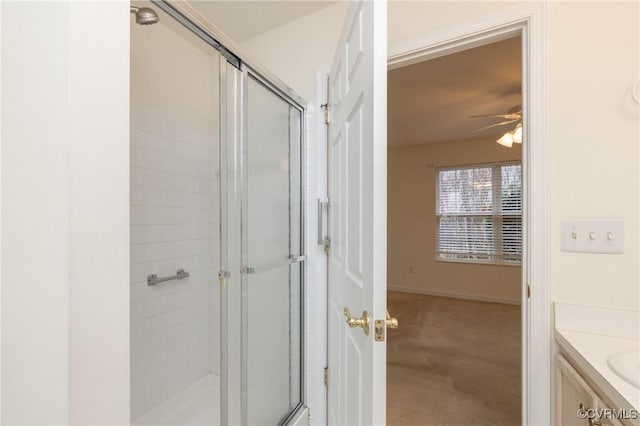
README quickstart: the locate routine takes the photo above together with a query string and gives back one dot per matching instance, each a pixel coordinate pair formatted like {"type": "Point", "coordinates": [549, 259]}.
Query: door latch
{"type": "Point", "coordinates": [381, 325]}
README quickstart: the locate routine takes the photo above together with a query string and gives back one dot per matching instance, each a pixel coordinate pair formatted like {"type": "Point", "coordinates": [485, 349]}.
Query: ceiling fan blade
{"type": "Point", "coordinates": [490, 115]}
{"type": "Point", "coordinates": [504, 123]}
{"type": "Point", "coordinates": [509, 116]}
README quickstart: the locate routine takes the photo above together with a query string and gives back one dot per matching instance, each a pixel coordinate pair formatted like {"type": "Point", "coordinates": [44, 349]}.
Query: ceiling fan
{"type": "Point", "coordinates": [513, 115]}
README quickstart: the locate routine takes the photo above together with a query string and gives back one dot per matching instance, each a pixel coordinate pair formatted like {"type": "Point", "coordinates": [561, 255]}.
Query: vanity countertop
{"type": "Point", "coordinates": [590, 335]}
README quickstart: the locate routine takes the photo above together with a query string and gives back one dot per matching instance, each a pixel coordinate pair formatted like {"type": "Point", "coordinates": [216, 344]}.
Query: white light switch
{"type": "Point", "coordinates": [593, 235]}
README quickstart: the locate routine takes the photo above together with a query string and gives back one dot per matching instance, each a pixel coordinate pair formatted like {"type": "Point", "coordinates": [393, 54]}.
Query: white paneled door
{"type": "Point", "coordinates": [357, 219]}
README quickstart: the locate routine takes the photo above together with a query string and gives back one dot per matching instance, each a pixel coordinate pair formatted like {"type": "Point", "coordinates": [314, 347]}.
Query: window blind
{"type": "Point", "coordinates": [479, 213]}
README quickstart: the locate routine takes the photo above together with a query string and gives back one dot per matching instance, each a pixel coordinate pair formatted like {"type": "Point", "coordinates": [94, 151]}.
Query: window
{"type": "Point", "coordinates": [479, 213]}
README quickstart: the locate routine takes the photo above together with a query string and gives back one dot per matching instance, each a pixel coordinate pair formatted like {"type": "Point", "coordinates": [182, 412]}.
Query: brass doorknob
{"type": "Point", "coordinates": [363, 321]}
{"type": "Point", "coordinates": [391, 322]}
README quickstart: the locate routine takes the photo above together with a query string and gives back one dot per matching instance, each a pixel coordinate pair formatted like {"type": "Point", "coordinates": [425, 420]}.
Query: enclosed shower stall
{"type": "Point", "coordinates": [217, 258]}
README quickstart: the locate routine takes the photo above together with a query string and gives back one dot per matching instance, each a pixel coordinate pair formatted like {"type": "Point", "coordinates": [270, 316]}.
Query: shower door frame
{"type": "Point", "coordinates": [247, 73]}
{"type": "Point", "coordinates": [233, 145]}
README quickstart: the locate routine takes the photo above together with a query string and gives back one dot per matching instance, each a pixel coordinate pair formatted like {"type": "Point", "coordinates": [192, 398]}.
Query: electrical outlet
{"type": "Point", "coordinates": [593, 236]}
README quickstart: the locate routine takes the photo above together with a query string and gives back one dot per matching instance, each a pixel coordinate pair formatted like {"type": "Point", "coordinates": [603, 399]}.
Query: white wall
{"type": "Point", "coordinates": [595, 139]}
{"type": "Point", "coordinates": [174, 212]}
{"type": "Point", "coordinates": [294, 51]}
{"type": "Point", "coordinates": [35, 202]}
{"type": "Point", "coordinates": [98, 119]}
{"type": "Point", "coordinates": [412, 229]}
{"type": "Point", "coordinates": [594, 129]}
{"type": "Point", "coordinates": [65, 241]}
{"type": "Point", "coordinates": [409, 21]}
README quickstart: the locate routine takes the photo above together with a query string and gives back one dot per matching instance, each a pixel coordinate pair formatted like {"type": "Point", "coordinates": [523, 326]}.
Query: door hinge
{"type": "Point", "coordinates": [222, 276]}
{"type": "Point", "coordinates": [326, 242]}
{"type": "Point", "coordinates": [528, 291]}
{"type": "Point", "coordinates": [327, 113]}
{"type": "Point", "coordinates": [247, 270]}
{"type": "Point", "coordinates": [326, 376]}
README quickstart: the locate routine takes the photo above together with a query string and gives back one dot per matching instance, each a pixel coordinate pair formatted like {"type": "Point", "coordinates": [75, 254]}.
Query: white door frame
{"type": "Point", "coordinates": [529, 20]}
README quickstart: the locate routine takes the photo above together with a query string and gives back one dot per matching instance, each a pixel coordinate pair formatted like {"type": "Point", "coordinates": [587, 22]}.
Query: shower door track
{"type": "Point", "coordinates": [192, 19]}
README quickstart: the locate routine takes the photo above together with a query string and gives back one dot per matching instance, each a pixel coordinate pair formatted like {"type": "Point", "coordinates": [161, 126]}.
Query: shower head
{"type": "Point", "coordinates": [144, 15]}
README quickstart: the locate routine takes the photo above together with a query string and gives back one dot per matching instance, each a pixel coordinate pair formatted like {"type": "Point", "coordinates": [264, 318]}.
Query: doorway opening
{"type": "Point", "coordinates": [455, 237]}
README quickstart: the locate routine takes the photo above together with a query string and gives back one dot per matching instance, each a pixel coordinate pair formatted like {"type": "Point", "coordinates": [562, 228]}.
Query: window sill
{"type": "Point", "coordinates": [474, 262]}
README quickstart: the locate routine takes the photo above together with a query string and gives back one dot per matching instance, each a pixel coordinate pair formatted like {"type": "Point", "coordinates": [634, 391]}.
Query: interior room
{"type": "Point", "coordinates": [455, 238]}
{"type": "Point", "coordinates": [307, 213]}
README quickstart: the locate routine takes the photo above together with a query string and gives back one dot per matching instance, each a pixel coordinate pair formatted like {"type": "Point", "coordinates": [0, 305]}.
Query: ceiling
{"type": "Point", "coordinates": [242, 20]}
{"type": "Point", "coordinates": [431, 101]}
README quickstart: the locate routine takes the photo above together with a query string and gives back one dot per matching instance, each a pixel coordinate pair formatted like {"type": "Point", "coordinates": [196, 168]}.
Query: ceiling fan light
{"type": "Point", "coordinates": [506, 140]}
{"type": "Point", "coordinates": [517, 134]}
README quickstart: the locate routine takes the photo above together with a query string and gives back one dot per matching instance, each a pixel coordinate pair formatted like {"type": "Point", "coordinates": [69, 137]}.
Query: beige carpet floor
{"type": "Point", "coordinates": [453, 362]}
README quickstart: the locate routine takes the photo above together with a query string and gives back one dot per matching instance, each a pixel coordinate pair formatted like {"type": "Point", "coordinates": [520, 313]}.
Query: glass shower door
{"type": "Point", "coordinates": [216, 187]}
{"type": "Point", "coordinates": [272, 258]}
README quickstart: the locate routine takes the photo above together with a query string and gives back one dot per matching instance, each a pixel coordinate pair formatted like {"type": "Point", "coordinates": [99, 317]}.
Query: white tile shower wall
{"type": "Point", "coordinates": [174, 225]}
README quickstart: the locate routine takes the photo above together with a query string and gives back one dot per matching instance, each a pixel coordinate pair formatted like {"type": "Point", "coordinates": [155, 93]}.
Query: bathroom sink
{"type": "Point", "coordinates": [627, 366]}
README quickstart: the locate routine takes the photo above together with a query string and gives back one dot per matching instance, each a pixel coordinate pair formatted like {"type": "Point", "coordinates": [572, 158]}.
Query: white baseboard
{"type": "Point", "coordinates": [479, 298]}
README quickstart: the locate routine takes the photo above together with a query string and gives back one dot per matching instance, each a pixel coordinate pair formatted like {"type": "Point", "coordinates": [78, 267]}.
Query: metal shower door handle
{"type": "Point", "coordinates": [322, 239]}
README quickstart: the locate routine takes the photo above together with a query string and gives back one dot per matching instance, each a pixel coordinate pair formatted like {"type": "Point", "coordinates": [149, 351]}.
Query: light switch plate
{"type": "Point", "coordinates": [593, 235]}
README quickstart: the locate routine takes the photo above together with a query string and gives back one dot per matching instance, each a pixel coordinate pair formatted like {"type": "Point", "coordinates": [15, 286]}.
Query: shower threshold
{"type": "Point", "coordinates": [198, 404]}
